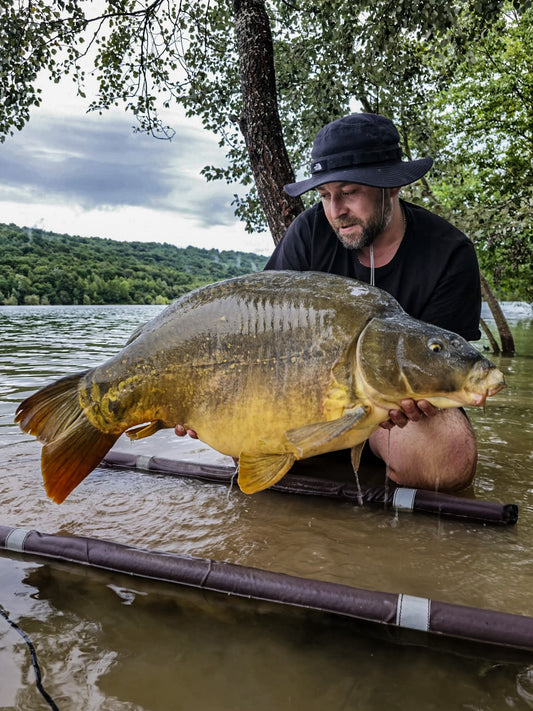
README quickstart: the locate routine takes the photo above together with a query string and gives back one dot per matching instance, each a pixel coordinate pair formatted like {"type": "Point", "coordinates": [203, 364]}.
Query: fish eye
{"type": "Point", "coordinates": [435, 345]}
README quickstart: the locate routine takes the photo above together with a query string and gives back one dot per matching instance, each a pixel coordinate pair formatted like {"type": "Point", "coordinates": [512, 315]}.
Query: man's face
{"type": "Point", "coordinates": [357, 213]}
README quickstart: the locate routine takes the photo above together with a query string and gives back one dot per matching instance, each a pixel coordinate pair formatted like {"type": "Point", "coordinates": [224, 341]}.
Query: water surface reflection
{"type": "Point", "coordinates": [113, 643]}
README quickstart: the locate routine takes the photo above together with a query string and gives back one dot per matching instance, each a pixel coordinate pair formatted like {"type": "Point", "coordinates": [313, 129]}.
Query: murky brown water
{"type": "Point", "coordinates": [115, 643]}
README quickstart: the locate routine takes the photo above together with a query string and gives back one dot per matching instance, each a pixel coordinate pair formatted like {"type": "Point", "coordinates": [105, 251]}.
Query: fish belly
{"type": "Point", "coordinates": [240, 366]}
{"type": "Point", "coordinates": [251, 407]}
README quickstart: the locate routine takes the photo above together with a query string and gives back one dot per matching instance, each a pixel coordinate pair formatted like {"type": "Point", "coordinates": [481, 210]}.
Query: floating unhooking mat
{"type": "Point", "coordinates": [396, 610]}
{"type": "Point", "coordinates": [398, 498]}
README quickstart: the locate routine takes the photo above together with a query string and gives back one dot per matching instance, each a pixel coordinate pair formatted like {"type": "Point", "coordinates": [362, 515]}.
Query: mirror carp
{"type": "Point", "coordinates": [268, 368]}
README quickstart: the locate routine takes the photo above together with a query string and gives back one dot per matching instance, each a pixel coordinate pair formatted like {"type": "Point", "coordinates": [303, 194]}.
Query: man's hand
{"type": "Point", "coordinates": [410, 411]}
{"type": "Point", "coordinates": [181, 431]}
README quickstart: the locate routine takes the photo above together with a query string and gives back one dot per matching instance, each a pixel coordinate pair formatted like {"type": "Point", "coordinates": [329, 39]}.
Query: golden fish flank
{"type": "Point", "coordinates": [269, 368]}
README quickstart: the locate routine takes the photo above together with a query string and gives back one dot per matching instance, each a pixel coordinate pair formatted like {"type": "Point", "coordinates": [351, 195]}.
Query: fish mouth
{"type": "Point", "coordinates": [478, 399]}
{"type": "Point", "coordinates": [484, 382]}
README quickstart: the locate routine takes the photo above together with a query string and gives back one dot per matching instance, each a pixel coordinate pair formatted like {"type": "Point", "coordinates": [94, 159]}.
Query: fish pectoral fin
{"type": "Point", "coordinates": [259, 471]}
{"type": "Point", "coordinates": [355, 455]}
{"type": "Point", "coordinates": [145, 430]}
{"type": "Point", "coordinates": [311, 437]}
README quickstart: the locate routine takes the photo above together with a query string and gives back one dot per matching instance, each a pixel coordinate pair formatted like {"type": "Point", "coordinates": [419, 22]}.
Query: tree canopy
{"type": "Point", "coordinates": [39, 267]}
{"type": "Point", "coordinates": [455, 77]}
{"type": "Point", "coordinates": [484, 128]}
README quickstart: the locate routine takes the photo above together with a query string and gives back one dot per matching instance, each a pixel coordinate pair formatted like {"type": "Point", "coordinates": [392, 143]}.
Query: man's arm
{"type": "Point", "coordinates": [292, 252]}
{"type": "Point", "coordinates": [455, 303]}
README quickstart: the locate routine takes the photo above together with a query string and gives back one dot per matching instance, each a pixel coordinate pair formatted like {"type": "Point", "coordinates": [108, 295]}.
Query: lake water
{"type": "Point", "coordinates": [113, 643]}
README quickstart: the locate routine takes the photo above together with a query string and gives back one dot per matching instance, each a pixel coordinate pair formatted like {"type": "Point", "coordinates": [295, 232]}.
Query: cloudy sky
{"type": "Point", "coordinates": [90, 175]}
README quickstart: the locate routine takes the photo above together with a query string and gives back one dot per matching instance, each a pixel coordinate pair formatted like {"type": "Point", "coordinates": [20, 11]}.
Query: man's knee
{"type": "Point", "coordinates": [458, 463]}
{"type": "Point", "coordinates": [435, 453]}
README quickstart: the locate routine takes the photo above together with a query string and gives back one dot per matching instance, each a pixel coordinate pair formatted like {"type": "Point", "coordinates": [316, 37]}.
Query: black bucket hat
{"type": "Point", "coordinates": [360, 148]}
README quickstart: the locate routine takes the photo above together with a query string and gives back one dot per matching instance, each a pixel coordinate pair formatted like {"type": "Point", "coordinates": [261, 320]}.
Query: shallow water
{"type": "Point", "coordinates": [112, 642]}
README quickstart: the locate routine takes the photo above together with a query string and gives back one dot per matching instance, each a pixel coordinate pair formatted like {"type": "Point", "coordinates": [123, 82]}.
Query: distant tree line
{"type": "Point", "coordinates": [39, 267]}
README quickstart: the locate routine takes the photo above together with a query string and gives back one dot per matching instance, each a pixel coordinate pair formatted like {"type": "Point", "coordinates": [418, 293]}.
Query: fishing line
{"type": "Point", "coordinates": [372, 271]}
{"type": "Point", "coordinates": [33, 655]}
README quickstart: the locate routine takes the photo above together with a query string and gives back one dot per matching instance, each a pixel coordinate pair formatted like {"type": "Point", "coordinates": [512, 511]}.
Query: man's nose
{"type": "Point", "coordinates": [338, 206]}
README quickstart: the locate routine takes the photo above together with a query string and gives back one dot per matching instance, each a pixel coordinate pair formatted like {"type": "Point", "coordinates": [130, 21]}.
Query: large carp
{"type": "Point", "coordinates": [270, 368]}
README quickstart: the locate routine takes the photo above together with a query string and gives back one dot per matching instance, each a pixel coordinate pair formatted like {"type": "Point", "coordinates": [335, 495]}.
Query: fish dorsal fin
{"type": "Point", "coordinates": [259, 471]}
{"type": "Point", "coordinates": [311, 437]}
{"type": "Point", "coordinates": [135, 334]}
{"type": "Point", "coordinates": [145, 430]}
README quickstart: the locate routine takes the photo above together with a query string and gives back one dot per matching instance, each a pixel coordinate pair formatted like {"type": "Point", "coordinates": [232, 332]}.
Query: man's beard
{"type": "Point", "coordinates": [375, 224]}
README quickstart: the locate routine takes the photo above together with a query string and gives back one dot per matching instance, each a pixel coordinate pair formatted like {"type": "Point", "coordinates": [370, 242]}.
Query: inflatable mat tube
{"type": "Point", "coordinates": [399, 498]}
{"type": "Point", "coordinates": [397, 610]}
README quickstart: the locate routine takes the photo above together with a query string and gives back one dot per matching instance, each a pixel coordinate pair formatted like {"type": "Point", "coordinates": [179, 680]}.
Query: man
{"type": "Point", "coordinates": [361, 228]}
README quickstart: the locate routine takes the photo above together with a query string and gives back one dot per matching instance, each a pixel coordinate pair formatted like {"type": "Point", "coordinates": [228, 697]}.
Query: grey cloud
{"type": "Point", "coordinates": [98, 162]}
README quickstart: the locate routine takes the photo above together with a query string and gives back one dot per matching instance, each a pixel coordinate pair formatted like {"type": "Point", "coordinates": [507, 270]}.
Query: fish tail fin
{"type": "Point", "coordinates": [52, 410]}
{"type": "Point", "coordinates": [66, 461]}
{"type": "Point", "coordinates": [73, 446]}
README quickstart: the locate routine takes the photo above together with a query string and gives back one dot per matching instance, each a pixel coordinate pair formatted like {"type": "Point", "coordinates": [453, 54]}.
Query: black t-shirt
{"type": "Point", "coordinates": [434, 274]}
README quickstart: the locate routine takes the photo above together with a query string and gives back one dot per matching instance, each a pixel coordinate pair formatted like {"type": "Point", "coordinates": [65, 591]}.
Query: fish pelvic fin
{"type": "Point", "coordinates": [145, 430]}
{"type": "Point", "coordinates": [310, 438]}
{"type": "Point", "coordinates": [259, 471]}
{"type": "Point", "coordinates": [73, 446]}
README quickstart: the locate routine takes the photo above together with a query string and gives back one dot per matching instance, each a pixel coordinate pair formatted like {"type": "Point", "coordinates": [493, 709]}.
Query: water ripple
{"type": "Point", "coordinates": [116, 645]}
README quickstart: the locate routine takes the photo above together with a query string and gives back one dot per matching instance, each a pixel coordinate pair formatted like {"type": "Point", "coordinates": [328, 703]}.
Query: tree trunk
{"type": "Point", "coordinates": [260, 122]}
{"type": "Point", "coordinates": [504, 331]}
{"type": "Point", "coordinates": [493, 342]}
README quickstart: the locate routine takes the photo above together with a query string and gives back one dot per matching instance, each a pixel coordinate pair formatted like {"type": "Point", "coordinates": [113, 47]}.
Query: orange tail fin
{"type": "Point", "coordinates": [73, 447]}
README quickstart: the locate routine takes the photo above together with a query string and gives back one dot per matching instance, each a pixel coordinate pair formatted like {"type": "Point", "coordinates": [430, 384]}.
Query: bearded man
{"type": "Point", "coordinates": [361, 228]}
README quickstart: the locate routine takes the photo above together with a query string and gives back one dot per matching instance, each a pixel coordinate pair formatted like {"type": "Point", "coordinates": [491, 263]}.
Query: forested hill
{"type": "Point", "coordinates": [39, 267]}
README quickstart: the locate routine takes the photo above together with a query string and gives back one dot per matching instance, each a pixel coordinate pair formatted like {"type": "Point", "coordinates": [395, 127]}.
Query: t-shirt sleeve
{"type": "Point", "coordinates": [455, 303]}
{"type": "Point", "coordinates": [292, 252]}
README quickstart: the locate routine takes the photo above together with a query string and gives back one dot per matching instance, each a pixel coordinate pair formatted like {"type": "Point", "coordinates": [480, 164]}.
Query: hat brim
{"type": "Point", "coordinates": [386, 175]}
